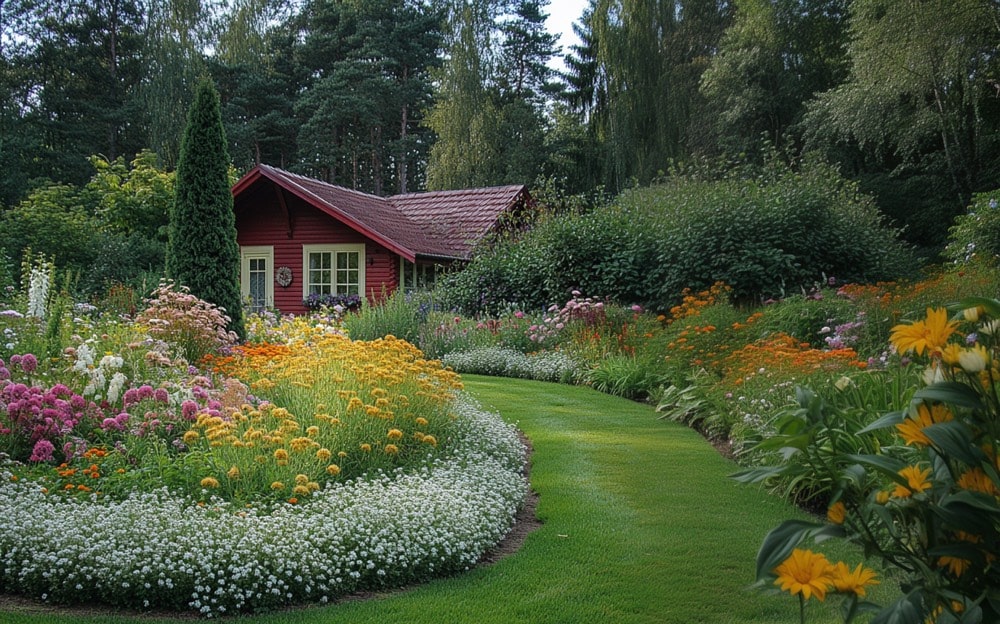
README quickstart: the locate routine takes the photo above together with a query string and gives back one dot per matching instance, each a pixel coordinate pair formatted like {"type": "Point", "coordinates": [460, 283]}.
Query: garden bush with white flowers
{"type": "Point", "coordinates": [296, 469]}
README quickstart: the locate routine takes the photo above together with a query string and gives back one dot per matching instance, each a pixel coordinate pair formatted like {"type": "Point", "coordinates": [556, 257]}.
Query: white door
{"type": "Point", "coordinates": [257, 277]}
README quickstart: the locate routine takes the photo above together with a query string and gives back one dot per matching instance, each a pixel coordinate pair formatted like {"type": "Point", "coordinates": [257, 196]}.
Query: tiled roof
{"type": "Point", "coordinates": [458, 219]}
{"type": "Point", "coordinates": [442, 224]}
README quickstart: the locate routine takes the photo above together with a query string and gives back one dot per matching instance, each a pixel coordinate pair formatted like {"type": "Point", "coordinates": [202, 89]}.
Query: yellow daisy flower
{"type": "Point", "coordinates": [916, 480]}
{"type": "Point", "coordinates": [912, 429]}
{"type": "Point", "coordinates": [847, 581]}
{"type": "Point", "coordinates": [806, 573]}
{"type": "Point", "coordinates": [930, 334]}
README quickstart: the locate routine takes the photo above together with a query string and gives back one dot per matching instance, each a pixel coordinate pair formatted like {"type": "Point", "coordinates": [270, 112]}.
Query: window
{"type": "Point", "coordinates": [257, 277]}
{"type": "Point", "coordinates": [333, 270]}
{"type": "Point", "coordinates": [416, 276]}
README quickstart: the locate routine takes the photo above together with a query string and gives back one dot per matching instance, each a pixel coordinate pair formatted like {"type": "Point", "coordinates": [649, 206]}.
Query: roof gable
{"type": "Point", "coordinates": [440, 224]}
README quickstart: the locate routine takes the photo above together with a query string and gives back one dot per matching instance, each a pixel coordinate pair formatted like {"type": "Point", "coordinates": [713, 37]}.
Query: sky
{"type": "Point", "coordinates": [562, 14]}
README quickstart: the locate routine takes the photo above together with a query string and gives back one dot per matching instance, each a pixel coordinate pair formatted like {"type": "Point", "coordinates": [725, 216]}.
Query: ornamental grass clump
{"type": "Point", "coordinates": [927, 502]}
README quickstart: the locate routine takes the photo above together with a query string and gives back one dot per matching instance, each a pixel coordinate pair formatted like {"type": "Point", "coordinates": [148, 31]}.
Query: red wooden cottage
{"type": "Point", "coordinates": [301, 237]}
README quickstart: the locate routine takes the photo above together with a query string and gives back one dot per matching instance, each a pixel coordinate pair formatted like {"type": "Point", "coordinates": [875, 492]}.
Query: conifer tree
{"type": "Point", "coordinates": [202, 252]}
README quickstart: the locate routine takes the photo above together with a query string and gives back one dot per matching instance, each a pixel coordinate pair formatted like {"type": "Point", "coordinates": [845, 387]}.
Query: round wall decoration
{"type": "Point", "coordinates": [283, 276]}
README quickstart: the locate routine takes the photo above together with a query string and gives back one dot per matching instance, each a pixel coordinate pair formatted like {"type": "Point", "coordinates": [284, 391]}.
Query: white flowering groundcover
{"type": "Point", "coordinates": [158, 550]}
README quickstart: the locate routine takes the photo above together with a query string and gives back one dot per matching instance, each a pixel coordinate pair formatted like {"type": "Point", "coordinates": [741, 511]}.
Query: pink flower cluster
{"type": "Point", "coordinates": [37, 414]}
{"type": "Point", "coordinates": [196, 327]}
{"type": "Point", "coordinates": [588, 311]}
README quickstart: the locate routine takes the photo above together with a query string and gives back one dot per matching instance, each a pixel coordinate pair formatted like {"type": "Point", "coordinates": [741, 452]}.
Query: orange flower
{"type": "Point", "coordinates": [976, 480]}
{"type": "Point", "coordinates": [837, 513]}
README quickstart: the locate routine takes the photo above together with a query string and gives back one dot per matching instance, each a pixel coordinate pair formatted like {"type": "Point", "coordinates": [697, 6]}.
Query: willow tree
{"type": "Point", "coordinates": [464, 117]}
{"type": "Point", "coordinates": [202, 252]}
{"type": "Point", "coordinates": [177, 32]}
{"type": "Point", "coordinates": [650, 56]}
{"type": "Point", "coordinates": [919, 110]}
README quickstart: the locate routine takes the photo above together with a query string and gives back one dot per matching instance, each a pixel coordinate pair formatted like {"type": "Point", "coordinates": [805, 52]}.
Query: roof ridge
{"type": "Point", "coordinates": [325, 183]}
{"type": "Point", "coordinates": [466, 191]}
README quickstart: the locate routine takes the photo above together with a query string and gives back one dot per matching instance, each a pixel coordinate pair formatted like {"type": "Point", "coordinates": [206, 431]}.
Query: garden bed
{"type": "Point", "coordinates": [160, 550]}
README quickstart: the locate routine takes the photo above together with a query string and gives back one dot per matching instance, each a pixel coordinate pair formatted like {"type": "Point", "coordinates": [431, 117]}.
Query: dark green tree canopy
{"type": "Point", "coordinates": [202, 252]}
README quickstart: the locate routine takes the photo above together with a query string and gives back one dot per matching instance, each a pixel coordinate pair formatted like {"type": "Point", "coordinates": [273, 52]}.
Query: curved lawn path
{"type": "Point", "coordinates": [641, 524]}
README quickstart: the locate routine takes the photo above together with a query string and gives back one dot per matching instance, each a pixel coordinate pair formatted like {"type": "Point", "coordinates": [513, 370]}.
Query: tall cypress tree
{"type": "Point", "coordinates": [202, 253]}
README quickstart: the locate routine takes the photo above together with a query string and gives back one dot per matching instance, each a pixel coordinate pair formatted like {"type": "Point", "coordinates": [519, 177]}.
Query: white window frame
{"type": "Point", "coordinates": [412, 276]}
{"type": "Point", "coordinates": [257, 252]}
{"type": "Point", "coordinates": [334, 250]}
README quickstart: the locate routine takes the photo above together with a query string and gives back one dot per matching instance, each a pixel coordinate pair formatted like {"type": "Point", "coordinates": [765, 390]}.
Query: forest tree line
{"type": "Point", "coordinates": [393, 96]}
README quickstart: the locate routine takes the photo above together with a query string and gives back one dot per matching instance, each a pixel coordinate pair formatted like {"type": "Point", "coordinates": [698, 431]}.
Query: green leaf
{"type": "Point", "coordinates": [950, 392]}
{"type": "Point", "coordinates": [906, 610]}
{"type": "Point", "coordinates": [756, 475]}
{"type": "Point", "coordinates": [852, 608]}
{"type": "Point", "coordinates": [782, 540]}
{"type": "Point", "coordinates": [889, 420]}
{"type": "Point", "coordinates": [992, 306]}
{"type": "Point", "coordinates": [975, 500]}
{"type": "Point", "coordinates": [855, 473]}
{"type": "Point", "coordinates": [890, 466]}
{"type": "Point", "coordinates": [954, 439]}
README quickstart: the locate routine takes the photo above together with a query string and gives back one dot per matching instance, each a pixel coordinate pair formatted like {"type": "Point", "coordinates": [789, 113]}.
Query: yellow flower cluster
{"type": "Point", "coordinates": [323, 396]}
{"type": "Point", "coordinates": [811, 575]}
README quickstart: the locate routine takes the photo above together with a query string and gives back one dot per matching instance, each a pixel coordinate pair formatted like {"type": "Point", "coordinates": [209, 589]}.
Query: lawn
{"type": "Point", "coordinates": [640, 524]}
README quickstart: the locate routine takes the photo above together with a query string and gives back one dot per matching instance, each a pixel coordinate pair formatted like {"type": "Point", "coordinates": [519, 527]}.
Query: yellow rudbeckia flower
{"type": "Point", "coordinates": [930, 334]}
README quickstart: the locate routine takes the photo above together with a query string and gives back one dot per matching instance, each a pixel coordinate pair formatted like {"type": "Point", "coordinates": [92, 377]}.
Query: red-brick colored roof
{"type": "Point", "coordinates": [439, 224]}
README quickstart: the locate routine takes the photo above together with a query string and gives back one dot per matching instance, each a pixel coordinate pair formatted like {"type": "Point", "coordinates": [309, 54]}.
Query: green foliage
{"type": "Point", "coordinates": [810, 317]}
{"type": "Point", "coordinates": [133, 198]}
{"type": "Point", "coordinates": [916, 488]}
{"type": "Point", "coordinates": [766, 233]}
{"type": "Point", "coordinates": [769, 235]}
{"type": "Point", "coordinates": [202, 253]}
{"type": "Point", "coordinates": [511, 272]}
{"type": "Point", "coordinates": [55, 220]}
{"type": "Point", "coordinates": [772, 57]}
{"type": "Point", "coordinates": [812, 442]}
{"type": "Point", "coordinates": [390, 315]}
{"type": "Point", "coordinates": [132, 260]}
{"type": "Point", "coordinates": [626, 376]}
{"type": "Point", "coordinates": [976, 234]}
{"type": "Point", "coordinates": [893, 110]}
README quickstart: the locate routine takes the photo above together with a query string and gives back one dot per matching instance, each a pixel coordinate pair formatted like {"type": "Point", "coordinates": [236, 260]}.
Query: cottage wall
{"type": "Point", "coordinates": [261, 220]}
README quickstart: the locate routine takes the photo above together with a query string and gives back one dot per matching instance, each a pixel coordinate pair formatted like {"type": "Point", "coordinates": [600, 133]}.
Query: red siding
{"type": "Point", "coordinates": [260, 220]}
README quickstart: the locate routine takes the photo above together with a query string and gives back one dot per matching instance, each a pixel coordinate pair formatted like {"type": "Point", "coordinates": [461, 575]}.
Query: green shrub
{"type": "Point", "coordinates": [976, 234]}
{"type": "Point", "coordinates": [812, 317]}
{"type": "Point", "coordinates": [766, 235]}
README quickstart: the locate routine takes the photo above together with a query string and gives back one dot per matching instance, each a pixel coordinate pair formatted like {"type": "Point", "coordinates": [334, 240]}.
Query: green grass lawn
{"type": "Point", "coordinates": [641, 524]}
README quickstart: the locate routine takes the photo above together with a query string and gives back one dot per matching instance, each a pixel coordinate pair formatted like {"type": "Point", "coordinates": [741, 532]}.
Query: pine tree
{"type": "Point", "coordinates": [202, 252]}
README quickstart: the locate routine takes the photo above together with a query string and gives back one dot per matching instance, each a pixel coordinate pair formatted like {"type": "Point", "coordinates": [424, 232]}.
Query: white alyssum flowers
{"type": "Point", "coordinates": [159, 550]}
